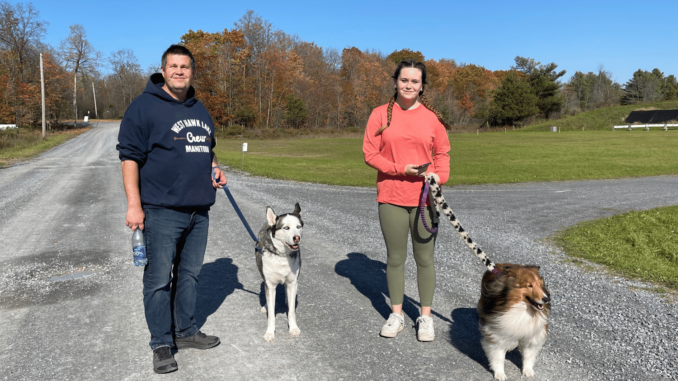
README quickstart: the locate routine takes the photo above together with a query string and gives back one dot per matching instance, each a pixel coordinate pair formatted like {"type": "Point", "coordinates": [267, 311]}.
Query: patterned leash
{"type": "Point", "coordinates": [430, 185]}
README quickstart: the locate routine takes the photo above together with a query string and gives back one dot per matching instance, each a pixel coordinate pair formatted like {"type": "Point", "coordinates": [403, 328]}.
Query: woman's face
{"type": "Point", "coordinates": [409, 83]}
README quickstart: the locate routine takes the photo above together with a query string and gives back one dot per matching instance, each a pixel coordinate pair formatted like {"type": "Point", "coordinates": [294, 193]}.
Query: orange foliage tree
{"type": "Point", "coordinates": [219, 60]}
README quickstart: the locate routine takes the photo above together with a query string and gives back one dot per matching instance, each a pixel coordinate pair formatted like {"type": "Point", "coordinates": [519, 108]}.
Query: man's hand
{"type": "Point", "coordinates": [220, 178]}
{"type": "Point", "coordinates": [135, 218]}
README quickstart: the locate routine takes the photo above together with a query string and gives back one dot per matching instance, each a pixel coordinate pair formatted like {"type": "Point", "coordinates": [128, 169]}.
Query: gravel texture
{"type": "Point", "coordinates": [71, 304]}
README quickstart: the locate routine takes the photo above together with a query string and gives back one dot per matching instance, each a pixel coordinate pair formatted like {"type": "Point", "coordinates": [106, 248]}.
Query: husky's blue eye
{"type": "Point", "coordinates": [298, 226]}
{"type": "Point", "coordinates": [286, 228]}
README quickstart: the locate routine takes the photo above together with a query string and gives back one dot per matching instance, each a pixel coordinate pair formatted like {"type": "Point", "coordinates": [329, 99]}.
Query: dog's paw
{"type": "Point", "coordinates": [269, 336]}
{"type": "Point", "coordinates": [295, 331]}
{"type": "Point", "coordinates": [528, 372]}
{"type": "Point", "coordinates": [263, 310]}
{"type": "Point", "coordinates": [500, 376]}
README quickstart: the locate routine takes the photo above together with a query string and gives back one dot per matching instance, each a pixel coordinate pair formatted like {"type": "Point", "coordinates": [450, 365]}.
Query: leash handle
{"type": "Point", "coordinates": [422, 207]}
{"type": "Point", "coordinates": [237, 210]}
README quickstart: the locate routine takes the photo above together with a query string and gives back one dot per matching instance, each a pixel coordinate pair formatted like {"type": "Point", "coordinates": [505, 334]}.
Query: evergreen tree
{"type": "Point", "coordinates": [644, 87]}
{"type": "Point", "coordinates": [543, 79]}
{"type": "Point", "coordinates": [670, 89]}
{"type": "Point", "coordinates": [512, 102]}
{"type": "Point", "coordinates": [295, 111]}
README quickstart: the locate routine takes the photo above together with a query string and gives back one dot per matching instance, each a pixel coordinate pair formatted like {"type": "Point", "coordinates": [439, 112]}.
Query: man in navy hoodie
{"type": "Point", "coordinates": [165, 145]}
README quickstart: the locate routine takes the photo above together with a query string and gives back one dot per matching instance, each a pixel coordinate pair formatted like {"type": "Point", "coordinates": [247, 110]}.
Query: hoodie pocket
{"type": "Point", "coordinates": [190, 190]}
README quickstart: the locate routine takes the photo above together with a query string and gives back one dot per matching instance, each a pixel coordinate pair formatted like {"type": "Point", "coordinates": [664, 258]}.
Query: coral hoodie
{"type": "Point", "coordinates": [172, 142]}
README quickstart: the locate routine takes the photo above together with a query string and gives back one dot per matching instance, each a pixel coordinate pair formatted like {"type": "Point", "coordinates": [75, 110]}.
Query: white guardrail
{"type": "Point", "coordinates": [645, 126]}
{"type": "Point", "coordinates": [3, 126]}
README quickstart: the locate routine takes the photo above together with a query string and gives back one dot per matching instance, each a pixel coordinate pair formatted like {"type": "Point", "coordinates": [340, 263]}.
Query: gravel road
{"type": "Point", "coordinates": [71, 304]}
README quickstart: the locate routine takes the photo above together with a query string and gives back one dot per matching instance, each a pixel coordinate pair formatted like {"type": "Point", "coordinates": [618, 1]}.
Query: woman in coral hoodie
{"type": "Point", "coordinates": [400, 137]}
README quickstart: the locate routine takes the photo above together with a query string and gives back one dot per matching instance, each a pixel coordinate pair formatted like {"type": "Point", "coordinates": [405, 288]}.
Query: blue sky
{"type": "Point", "coordinates": [577, 35]}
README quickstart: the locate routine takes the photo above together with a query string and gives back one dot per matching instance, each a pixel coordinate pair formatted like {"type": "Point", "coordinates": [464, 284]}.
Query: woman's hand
{"type": "Point", "coordinates": [411, 170]}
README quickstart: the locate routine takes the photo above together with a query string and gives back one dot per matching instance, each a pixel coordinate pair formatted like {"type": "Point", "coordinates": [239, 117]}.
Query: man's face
{"type": "Point", "coordinates": [177, 73]}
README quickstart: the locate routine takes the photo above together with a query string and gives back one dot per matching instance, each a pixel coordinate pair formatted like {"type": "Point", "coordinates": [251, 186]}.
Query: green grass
{"type": "Point", "coordinates": [327, 161]}
{"type": "Point", "coordinates": [24, 143]}
{"type": "Point", "coordinates": [641, 245]}
{"type": "Point", "coordinates": [488, 158]}
{"type": "Point", "coordinates": [601, 119]}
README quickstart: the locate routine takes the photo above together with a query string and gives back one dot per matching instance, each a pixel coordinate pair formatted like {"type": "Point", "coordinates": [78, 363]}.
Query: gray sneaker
{"type": "Point", "coordinates": [163, 361]}
{"type": "Point", "coordinates": [197, 341]}
{"type": "Point", "coordinates": [425, 330]}
{"type": "Point", "coordinates": [394, 324]}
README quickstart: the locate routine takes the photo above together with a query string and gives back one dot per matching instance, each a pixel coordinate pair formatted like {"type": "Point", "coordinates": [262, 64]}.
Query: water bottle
{"type": "Point", "coordinates": [139, 248]}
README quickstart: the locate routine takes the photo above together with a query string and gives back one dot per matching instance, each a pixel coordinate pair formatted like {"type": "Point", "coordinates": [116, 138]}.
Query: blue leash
{"type": "Point", "coordinates": [237, 210]}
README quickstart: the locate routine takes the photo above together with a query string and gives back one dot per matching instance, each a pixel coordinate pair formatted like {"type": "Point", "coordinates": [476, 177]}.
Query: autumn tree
{"type": "Point", "coordinates": [127, 76]}
{"type": "Point", "coordinates": [21, 32]}
{"type": "Point", "coordinates": [405, 54]}
{"type": "Point", "coordinates": [366, 84]}
{"type": "Point", "coordinates": [80, 57]}
{"type": "Point", "coordinates": [220, 82]}
{"type": "Point", "coordinates": [56, 88]}
{"type": "Point", "coordinates": [318, 84]}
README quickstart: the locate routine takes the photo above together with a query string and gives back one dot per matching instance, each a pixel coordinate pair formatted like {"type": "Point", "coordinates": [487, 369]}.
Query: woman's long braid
{"type": "Point", "coordinates": [424, 101]}
{"type": "Point", "coordinates": [389, 112]}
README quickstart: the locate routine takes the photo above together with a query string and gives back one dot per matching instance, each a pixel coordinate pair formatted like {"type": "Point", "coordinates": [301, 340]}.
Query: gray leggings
{"type": "Point", "coordinates": [396, 221]}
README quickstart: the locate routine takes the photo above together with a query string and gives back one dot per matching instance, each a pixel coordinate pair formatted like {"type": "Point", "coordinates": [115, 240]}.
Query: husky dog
{"type": "Point", "coordinates": [279, 261]}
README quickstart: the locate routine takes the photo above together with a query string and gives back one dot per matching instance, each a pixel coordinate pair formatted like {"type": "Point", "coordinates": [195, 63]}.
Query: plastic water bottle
{"type": "Point", "coordinates": [139, 248]}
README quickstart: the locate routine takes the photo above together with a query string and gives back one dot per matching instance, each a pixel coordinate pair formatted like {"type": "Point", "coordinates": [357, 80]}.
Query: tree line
{"type": "Point", "coordinates": [255, 76]}
{"type": "Point", "coordinates": [72, 72]}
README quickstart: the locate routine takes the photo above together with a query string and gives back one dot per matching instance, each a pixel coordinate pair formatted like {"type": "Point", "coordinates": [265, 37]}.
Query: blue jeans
{"type": "Point", "coordinates": [175, 245]}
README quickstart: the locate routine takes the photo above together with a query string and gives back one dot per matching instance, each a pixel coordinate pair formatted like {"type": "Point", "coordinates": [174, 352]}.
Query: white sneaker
{"type": "Point", "coordinates": [425, 328]}
{"type": "Point", "coordinates": [394, 324]}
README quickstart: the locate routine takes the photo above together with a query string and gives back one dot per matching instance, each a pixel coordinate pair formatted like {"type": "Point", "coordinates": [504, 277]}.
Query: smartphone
{"type": "Point", "coordinates": [423, 166]}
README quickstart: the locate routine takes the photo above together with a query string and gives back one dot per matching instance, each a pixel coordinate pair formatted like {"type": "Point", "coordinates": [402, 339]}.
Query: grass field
{"type": "Point", "coordinates": [642, 245]}
{"type": "Point", "coordinates": [23, 143]}
{"type": "Point", "coordinates": [475, 159]}
{"type": "Point", "coordinates": [601, 119]}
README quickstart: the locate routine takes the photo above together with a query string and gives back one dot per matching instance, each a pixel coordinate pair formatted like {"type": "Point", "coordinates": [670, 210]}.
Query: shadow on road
{"type": "Point", "coordinates": [465, 336]}
{"type": "Point", "coordinates": [217, 280]}
{"type": "Point", "coordinates": [369, 277]}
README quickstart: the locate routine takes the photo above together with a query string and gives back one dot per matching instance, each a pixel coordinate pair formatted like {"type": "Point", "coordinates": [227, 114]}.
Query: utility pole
{"type": "Point", "coordinates": [95, 101]}
{"type": "Point", "coordinates": [42, 91]}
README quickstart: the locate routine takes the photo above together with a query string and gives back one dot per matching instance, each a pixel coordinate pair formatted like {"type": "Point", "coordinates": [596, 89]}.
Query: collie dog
{"type": "Point", "coordinates": [513, 308]}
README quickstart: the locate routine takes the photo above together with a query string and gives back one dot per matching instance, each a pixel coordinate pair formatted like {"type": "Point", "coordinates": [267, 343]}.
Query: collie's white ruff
{"type": "Point", "coordinates": [519, 327]}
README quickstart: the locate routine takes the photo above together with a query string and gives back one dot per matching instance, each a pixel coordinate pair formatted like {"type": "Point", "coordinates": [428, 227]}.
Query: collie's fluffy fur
{"type": "Point", "coordinates": [514, 307]}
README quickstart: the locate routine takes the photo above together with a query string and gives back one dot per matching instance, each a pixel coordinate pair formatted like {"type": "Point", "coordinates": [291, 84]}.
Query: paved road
{"type": "Point", "coordinates": [71, 307]}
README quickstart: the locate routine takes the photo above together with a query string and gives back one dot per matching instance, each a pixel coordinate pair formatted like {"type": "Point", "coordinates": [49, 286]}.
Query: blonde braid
{"type": "Point", "coordinates": [389, 112]}
{"type": "Point", "coordinates": [424, 101]}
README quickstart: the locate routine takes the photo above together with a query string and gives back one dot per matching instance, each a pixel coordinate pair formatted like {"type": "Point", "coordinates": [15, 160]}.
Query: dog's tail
{"type": "Point", "coordinates": [445, 207]}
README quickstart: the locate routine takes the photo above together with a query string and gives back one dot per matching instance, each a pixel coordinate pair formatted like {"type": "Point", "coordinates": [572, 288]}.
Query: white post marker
{"type": "Point", "coordinates": [244, 149]}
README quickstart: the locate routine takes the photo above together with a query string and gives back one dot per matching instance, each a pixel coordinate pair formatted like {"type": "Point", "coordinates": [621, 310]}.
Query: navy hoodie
{"type": "Point", "coordinates": [172, 142]}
